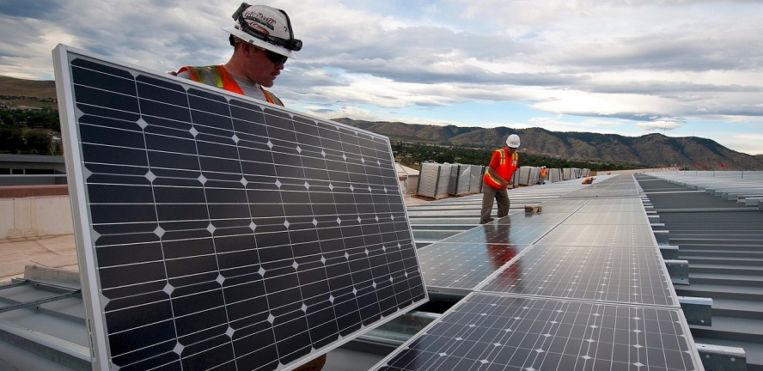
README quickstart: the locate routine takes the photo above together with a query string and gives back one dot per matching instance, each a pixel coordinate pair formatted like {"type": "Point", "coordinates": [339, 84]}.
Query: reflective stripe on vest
{"type": "Point", "coordinates": [495, 177]}
{"type": "Point", "coordinates": [220, 77]}
{"type": "Point", "coordinates": [213, 75]}
{"type": "Point", "coordinates": [270, 97]}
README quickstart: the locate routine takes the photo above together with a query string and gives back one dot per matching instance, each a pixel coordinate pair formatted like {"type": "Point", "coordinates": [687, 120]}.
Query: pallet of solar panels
{"type": "Point", "coordinates": [534, 175]}
{"type": "Point", "coordinates": [514, 183]}
{"type": "Point", "coordinates": [524, 175]}
{"type": "Point", "coordinates": [566, 173]}
{"type": "Point", "coordinates": [460, 179]}
{"type": "Point", "coordinates": [554, 175]}
{"type": "Point", "coordinates": [434, 179]}
{"type": "Point", "coordinates": [475, 185]}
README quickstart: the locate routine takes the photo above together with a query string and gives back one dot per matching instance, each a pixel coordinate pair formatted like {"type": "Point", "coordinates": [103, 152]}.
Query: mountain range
{"type": "Point", "coordinates": [652, 150]}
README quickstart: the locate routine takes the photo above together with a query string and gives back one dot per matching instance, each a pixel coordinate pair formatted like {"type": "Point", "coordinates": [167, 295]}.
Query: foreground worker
{"type": "Point", "coordinates": [262, 40]}
{"type": "Point", "coordinates": [503, 163]}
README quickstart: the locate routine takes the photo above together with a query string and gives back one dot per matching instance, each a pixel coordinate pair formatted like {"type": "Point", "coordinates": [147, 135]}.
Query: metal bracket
{"type": "Point", "coordinates": [657, 226]}
{"type": "Point", "coordinates": [678, 270]}
{"type": "Point", "coordinates": [721, 358]}
{"type": "Point", "coordinates": [698, 311]}
{"type": "Point", "coordinates": [669, 251]}
{"type": "Point", "coordinates": [662, 236]}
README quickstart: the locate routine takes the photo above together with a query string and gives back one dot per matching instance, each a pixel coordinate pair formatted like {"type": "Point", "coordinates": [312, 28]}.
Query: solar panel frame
{"type": "Point", "coordinates": [86, 237]}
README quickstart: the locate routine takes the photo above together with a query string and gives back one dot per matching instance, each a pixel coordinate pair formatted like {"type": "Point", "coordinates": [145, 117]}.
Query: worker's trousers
{"type": "Point", "coordinates": [501, 196]}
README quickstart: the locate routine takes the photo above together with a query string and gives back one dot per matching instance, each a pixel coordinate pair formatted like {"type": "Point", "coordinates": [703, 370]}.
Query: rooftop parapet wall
{"type": "Point", "coordinates": [34, 211]}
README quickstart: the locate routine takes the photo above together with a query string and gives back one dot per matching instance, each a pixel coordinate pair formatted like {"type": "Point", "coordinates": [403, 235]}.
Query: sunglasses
{"type": "Point", "coordinates": [275, 57]}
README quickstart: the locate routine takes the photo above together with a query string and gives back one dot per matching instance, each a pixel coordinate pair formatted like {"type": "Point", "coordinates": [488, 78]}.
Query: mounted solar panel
{"type": "Point", "coordinates": [457, 268]}
{"type": "Point", "coordinates": [634, 275]}
{"type": "Point", "coordinates": [601, 235]}
{"type": "Point", "coordinates": [217, 231]}
{"type": "Point", "coordinates": [501, 232]}
{"type": "Point", "coordinates": [505, 332]}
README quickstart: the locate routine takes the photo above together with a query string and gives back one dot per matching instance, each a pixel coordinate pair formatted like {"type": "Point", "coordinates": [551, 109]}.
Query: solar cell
{"type": "Point", "coordinates": [499, 332]}
{"type": "Point", "coordinates": [622, 274]}
{"type": "Point", "coordinates": [216, 231]}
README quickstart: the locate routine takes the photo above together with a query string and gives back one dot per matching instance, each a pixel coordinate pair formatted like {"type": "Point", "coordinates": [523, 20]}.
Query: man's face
{"type": "Point", "coordinates": [261, 68]}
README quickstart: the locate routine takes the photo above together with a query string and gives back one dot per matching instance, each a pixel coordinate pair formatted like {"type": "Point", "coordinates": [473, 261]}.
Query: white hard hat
{"type": "Point", "coordinates": [265, 27]}
{"type": "Point", "coordinates": [513, 141]}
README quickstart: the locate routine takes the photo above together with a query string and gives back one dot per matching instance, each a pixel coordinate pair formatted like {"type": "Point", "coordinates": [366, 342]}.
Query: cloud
{"type": "Point", "coordinates": [601, 61]}
{"type": "Point", "coordinates": [30, 9]}
{"type": "Point", "coordinates": [662, 124]}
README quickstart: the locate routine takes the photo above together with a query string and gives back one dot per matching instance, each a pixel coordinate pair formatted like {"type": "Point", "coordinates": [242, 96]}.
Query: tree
{"type": "Point", "coordinates": [11, 140]}
{"type": "Point", "coordinates": [38, 141]}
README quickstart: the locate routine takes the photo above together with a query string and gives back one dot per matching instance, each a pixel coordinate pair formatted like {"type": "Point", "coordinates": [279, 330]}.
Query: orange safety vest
{"type": "Point", "coordinates": [499, 171]}
{"type": "Point", "coordinates": [220, 77]}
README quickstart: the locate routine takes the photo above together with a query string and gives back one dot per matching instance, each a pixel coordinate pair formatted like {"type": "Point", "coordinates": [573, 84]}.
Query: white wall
{"type": "Point", "coordinates": [35, 216]}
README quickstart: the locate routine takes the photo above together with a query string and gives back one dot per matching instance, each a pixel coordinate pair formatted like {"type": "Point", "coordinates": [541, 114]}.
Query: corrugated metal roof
{"type": "Point", "coordinates": [723, 243]}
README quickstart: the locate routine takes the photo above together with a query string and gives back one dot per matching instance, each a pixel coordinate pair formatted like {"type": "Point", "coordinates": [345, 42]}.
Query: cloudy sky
{"type": "Point", "coordinates": [630, 67]}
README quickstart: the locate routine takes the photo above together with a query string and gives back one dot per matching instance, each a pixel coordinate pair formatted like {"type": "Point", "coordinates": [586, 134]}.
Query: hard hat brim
{"type": "Point", "coordinates": [257, 42]}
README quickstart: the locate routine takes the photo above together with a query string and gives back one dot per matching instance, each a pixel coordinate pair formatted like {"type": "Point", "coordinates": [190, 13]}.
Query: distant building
{"type": "Point", "coordinates": [408, 178]}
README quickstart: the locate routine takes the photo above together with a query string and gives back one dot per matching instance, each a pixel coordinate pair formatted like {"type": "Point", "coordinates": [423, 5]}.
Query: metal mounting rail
{"type": "Point", "coordinates": [61, 292]}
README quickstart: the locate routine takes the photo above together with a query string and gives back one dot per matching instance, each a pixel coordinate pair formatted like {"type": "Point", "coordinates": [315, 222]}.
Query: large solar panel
{"type": "Point", "coordinates": [216, 231]}
{"type": "Point", "coordinates": [621, 274]}
{"type": "Point", "coordinates": [503, 332]}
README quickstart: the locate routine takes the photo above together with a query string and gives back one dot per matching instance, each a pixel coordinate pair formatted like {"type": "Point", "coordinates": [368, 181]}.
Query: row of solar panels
{"type": "Point", "coordinates": [438, 181]}
{"type": "Point", "coordinates": [581, 286]}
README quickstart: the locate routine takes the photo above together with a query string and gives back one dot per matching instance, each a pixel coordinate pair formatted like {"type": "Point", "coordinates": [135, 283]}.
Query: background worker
{"type": "Point", "coordinates": [543, 175]}
{"type": "Point", "coordinates": [262, 40]}
{"type": "Point", "coordinates": [503, 163]}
